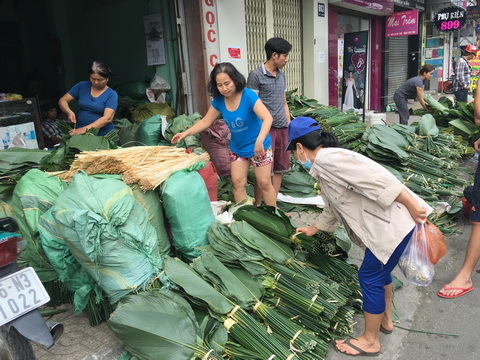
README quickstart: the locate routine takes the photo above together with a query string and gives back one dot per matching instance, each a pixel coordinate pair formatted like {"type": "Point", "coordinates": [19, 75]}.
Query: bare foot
{"type": "Point", "coordinates": [345, 347]}
{"type": "Point", "coordinates": [455, 288]}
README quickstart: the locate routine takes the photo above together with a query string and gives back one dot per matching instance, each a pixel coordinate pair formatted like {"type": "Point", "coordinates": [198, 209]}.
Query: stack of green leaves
{"type": "Point", "coordinates": [248, 332]}
{"type": "Point", "coordinates": [14, 163]}
{"type": "Point", "coordinates": [274, 223]}
{"type": "Point", "coordinates": [62, 157]}
{"type": "Point", "coordinates": [135, 322]}
{"type": "Point", "coordinates": [247, 294]}
{"type": "Point", "coordinates": [299, 183]}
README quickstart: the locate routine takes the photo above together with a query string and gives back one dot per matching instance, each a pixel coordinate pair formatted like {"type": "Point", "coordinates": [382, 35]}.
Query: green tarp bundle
{"type": "Point", "coordinates": [70, 272]}
{"type": "Point", "coordinates": [150, 201]}
{"type": "Point", "coordinates": [34, 194]}
{"type": "Point", "coordinates": [188, 210]}
{"type": "Point", "coordinates": [109, 233]}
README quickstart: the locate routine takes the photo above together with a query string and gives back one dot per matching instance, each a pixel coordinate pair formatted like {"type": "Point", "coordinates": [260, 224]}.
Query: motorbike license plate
{"type": "Point", "coordinates": [20, 293]}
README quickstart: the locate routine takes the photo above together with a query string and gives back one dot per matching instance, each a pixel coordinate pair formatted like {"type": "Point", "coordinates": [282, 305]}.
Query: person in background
{"type": "Point", "coordinates": [97, 102]}
{"type": "Point", "coordinates": [411, 89]}
{"type": "Point", "coordinates": [462, 283]}
{"type": "Point", "coordinates": [52, 134]}
{"type": "Point", "coordinates": [461, 83]}
{"type": "Point", "coordinates": [378, 212]}
{"type": "Point", "coordinates": [249, 122]}
{"type": "Point", "coordinates": [270, 84]}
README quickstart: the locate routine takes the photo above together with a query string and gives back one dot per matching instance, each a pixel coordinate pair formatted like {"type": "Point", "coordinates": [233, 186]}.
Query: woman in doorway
{"type": "Point", "coordinates": [249, 122]}
{"type": "Point", "coordinates": [350, 92]}
{"type": "Point", "coordinates": [411, 89]}
{"type": "Point", "coordinates": [96, 102]}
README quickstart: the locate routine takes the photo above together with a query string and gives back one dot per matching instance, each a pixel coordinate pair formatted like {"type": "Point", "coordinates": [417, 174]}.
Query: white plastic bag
{"type": "Point", "coordinates": [414, 262]}
{"type": "Point", "coordinates": [157, 89]}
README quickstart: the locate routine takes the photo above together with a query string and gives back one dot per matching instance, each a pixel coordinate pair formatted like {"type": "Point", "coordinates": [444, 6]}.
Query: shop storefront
{"type": "Point", "coordinates": [356, 52]}
{"type": "Point", "coordinates": [402, 45]}
{"type": "Point", "coordinates": [449, 28]}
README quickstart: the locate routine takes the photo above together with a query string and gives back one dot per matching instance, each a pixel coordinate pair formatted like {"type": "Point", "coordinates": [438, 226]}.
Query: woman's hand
{"type": "Point", "coordinates": [309, 231]}
{"type": "Point", "coordinates": [419, 214]}
{"type": "Point", "coordinates": [72, 118]}
{"type": "Point", "coordinates": [178, 137]}
{"type": "Point", "coordinates": [79, 131]}
{"type": "Point", "coordinates": [476, 145]}
{"type": "Point", "coordinates": [259, 149]}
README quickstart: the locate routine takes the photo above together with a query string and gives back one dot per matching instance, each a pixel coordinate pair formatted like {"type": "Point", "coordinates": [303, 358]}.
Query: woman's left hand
{"type": "Point", "coordinates": [79, 131]}
{"type": "Point", "coordinates": [259, 149]}
{"type": "Point", "coordinates": [418, 214]}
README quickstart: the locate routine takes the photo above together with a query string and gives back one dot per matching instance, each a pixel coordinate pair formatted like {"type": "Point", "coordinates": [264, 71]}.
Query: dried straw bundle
{"type": "Point", "coordinates": [148, 166]}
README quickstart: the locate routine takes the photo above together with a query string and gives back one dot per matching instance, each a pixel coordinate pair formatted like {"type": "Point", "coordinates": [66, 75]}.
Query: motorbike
{"type": "Point", "coordinates": [21, 294]}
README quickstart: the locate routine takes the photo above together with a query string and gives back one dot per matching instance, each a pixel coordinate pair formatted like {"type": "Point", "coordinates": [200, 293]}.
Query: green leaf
{"type": "Point", "coordinates": [222, 279]}
{"type": "Point", "coordinates": [154, 320]}
{"type": "Point", "coordinates": [185, 277]}
{"type": "Point", "coordinates": [269, 248]}
{"type": "Point", "coordinates": [466, 126]}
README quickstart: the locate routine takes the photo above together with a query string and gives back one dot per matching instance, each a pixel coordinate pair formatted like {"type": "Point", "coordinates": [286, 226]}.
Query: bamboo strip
{"type": "Point", "coordinates": [149, 166]}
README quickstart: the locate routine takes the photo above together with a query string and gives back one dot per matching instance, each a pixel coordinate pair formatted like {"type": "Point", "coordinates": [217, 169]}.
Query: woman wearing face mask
{"type": "Point", "coordinates": [378, 212]}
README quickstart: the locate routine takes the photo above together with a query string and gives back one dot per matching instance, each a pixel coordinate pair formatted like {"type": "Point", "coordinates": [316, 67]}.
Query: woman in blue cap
{"type": "Point", "coordinates": [378, 212]}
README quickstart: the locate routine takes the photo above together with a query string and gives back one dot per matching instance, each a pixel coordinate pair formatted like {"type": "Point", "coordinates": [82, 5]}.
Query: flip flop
{"type": "Point", "coordinates": [463, 291]}
{"type": "Point", "coordinates": [361, 352]}
{"type": "Point", "coordinates": [385, 331]}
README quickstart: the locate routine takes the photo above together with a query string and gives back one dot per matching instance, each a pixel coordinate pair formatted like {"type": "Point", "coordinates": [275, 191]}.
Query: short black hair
{"type": "Point", "coordinates": [277, 45]}
{"type": "Point", "coordinates": [50, 105]}
{"type": "Point", "coordinates": [227, 68]}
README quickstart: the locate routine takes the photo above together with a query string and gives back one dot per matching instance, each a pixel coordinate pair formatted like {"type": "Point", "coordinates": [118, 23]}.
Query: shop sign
{"type": "Point", "coordinates": [402, 24]}
{"type": "Point", "coordinates": [210, 32]}
{"type": "Point", "coordinates": [384, 6]}
{"type": "Point", "coordinates": [321, 10]}
{"type": "Point", "coordinates": [450, 19]}
{"type": "Point", "coordinates": [411, 4]}
{"type": "Point", "coordinates": [473, 12]}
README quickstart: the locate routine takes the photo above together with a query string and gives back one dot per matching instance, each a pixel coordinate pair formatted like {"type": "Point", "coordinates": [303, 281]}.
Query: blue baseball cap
{"type": "Point", "coordinates": [300, 126]}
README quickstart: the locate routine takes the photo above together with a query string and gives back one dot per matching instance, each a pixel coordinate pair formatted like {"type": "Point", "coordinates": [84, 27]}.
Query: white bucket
{"type": "Point", "coordinates": [377, 119]}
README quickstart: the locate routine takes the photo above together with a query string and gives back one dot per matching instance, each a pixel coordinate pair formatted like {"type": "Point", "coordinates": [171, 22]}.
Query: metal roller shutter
{"type": "Point", "coordinates": [397, 64]}
{"type": "Point", "coordinates": [256, 23]}
{"type": "Point", "coordinates": [287, 23]}
{"type": "Point", "coordinates": [286, 15]}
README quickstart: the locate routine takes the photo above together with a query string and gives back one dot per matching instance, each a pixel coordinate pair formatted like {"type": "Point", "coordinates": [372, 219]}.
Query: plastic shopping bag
{"type": "Point", "coordinates": [414, 262]}
{"type": "Point", "coordinates": [436, 245]}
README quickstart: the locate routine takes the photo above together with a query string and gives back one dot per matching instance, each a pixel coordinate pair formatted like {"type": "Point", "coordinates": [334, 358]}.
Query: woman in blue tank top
{"type": "Point", "coordinates": [249, 122]}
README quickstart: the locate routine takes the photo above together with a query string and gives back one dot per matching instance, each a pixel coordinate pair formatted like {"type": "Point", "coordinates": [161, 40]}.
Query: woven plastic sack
{"type": "Point", "coordinates": [150, 201]}
{"type": "Point", "coordinates": [188, 210]}
{"type": "Point", "coordinates": [109, 234]}
{"type": "Point", "coordinates": [216, 140]}
{"type": "Point", "coordinates": [414, 262]}
{"type": "Point", "coordinates": [149, 133]}
{"type": "Point", "coordinates": [70, 271]}
{"type": "Point", "coordinates": [34, 194]}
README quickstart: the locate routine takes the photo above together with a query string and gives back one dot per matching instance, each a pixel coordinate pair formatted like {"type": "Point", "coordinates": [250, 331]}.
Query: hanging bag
{"type": "Point", "coordinates": [436, 245]}
{"type": "Point", "coordinates": [415, 262]}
